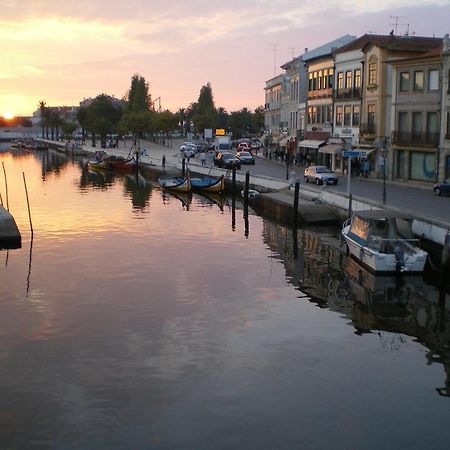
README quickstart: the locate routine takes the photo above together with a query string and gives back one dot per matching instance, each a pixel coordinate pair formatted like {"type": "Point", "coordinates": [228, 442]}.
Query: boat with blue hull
{"type": "Point", "coordinates": [208, 183]}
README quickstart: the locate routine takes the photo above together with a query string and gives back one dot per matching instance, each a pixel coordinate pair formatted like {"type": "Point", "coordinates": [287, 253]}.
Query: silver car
{"type": "Point", "coordinates": [320, 175]}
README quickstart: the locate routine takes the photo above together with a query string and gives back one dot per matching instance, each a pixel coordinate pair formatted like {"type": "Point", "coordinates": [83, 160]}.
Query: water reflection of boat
{"type": "Point", "coordinates": [383, 241]}
{"type": "Point", "coordinates": [120, 163]}
{"type": "Point", "coordinates": [184, 197]}
{"type": "Point", "coordinates": [212, 198]}
{"type": "Point", "coordinates": [208, 183]}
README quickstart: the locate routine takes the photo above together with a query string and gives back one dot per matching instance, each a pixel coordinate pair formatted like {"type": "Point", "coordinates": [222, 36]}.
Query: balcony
{"type": "Point", "coordinates": [320, 93]}
{"type": "Point", "coordinates": [347, 93]}
{"type": "Point", "coordinates": [367, 130]}
{"type": "Point", "coordinates": [410, 139]}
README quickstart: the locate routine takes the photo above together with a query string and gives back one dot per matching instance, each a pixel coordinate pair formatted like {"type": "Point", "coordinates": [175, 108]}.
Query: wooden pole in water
{"type": "Point", "coordinates": [247, 185]}
{"type": "Point", "coordinates": [350, 200]}
{"type": "Point", "coordinates": [296, 196]}
{"type": "Point", "coordinates": [445, 254]}
{"type": "Point", "coordinates": [183, 166]}
{"type": "Point", "coordinates": [6, 186]}
{"type": "Point", "coordinates": [1, 199]}
{"type": "Point", "coordinates": [28, 204]}
{"type": "Point", "coordinates": [233, 179]}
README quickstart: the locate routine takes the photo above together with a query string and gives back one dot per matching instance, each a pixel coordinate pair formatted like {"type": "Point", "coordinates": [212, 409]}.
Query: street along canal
{"type": "Point", "coordinates": [135, 319]}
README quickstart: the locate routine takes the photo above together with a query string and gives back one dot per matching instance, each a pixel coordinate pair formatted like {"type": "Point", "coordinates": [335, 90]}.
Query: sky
{"type": "Point", "coordinates": [62, 51]}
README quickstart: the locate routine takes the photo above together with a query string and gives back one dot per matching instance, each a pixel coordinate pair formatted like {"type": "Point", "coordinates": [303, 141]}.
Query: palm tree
{"type": "Point", "coordinates": [82, 118]}
{"type": "Point", "coordinates": [42, 107]}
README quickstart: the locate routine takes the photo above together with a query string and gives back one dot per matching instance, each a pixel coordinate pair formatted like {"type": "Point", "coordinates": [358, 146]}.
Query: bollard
{"type": "Point", "coordinates": [247, 185]}
{"type": "Point", "coordinates": [183, 166]}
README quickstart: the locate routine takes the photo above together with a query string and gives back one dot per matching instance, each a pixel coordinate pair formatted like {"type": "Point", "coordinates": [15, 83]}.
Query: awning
{"type": "Point", "coordinates": [364, 150]}
{"type": "Point", "coordinates": [283, 141]}
{"type": "Point", "coordinates": [309, 143]}
{"type": "Point", "coordinates": [332, 149]}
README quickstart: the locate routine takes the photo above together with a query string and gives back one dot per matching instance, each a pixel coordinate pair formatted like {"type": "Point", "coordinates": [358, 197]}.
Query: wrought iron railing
{"type": "Point", "coordinates": [409, 138]}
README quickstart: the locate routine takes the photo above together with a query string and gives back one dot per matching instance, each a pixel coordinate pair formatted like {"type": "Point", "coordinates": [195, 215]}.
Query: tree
{"type": "Point", "coordinates": [102, 118]}
{"type": "Point", "coordinates": [241, 122]}
{"type": "Point", "coordinates": [139, 98]}
{"type": "Point", "coordinates": [204, 114]}
{"type": "Point", "coordinates": [42, 108]}
{"type": "Point", "coordinates": [137, 123]}
{"type": "Point", "coordinates": [258, 120]}
{"type": "Point", "coordinates": [81, 116]}
{"type": "Point", "coordinates": [68, 129]}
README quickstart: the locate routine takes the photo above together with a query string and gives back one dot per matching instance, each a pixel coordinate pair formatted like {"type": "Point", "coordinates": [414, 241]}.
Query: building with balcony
{"type": "Point", "coordinates": [295, 102]}
{"type": "Point", "coordinates": [377, 87]}
{"type": "Point", "coordinates": [319, 102]}
{"type": "Point", "coordinates": [416, 115]}
{"type": "Point", "coordinates": [443, 161]}
{"type": "Point", "coordinates": [272, 106]}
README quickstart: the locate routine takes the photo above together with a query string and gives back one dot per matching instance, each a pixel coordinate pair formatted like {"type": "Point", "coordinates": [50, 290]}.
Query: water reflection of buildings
{"type": "Point", "coordinates": [316, 264]}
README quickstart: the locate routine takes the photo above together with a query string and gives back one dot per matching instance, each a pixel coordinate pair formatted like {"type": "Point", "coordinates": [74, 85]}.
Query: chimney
{"type": "Point", "coordinates": [306, 49]}
{"type": "Point", "coordinates": [446, 44]}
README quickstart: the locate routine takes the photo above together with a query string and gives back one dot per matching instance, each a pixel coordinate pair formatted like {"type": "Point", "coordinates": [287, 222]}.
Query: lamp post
{"type": "Point", "coordinates": [384, 151]}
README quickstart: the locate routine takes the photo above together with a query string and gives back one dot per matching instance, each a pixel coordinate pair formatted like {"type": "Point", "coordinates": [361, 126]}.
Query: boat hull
{"type": "Point", "coordinates": [384, 262]}
{"type": "Point", "coordinates": [176, 184]}
{"type": "Point", "coordinates": [209, 184]}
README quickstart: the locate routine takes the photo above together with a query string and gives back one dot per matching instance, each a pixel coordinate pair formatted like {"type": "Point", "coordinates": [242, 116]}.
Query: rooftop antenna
{"type": "Point", "coordinates": [292, 50]}
{"type": "Point", "coordinates": [396, 22]}
{"type": "Point", "coordinates": [274, 48]}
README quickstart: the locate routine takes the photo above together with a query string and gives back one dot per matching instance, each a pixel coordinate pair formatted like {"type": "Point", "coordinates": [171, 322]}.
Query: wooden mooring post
{"type": "Point", "coordinates": [183, 167]}
{"type": "Point", "coordinates": [296, 197]}
{"type": "Point", "coordinates": [350, 206]}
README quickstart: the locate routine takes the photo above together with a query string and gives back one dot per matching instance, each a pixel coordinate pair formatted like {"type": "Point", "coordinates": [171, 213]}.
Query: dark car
{"type": "Point", "coordinates": [442, 188]}
{"type": "Point", "coordinates": [245, 157]}
{"type": "Point", "coordinates": [227, 160]}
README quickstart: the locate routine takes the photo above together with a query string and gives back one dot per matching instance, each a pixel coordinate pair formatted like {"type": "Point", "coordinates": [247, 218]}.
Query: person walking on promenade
{"type": "Point", "coordinates": [164, 162]}
{"type": "Point", "coordinates": [203, 159]}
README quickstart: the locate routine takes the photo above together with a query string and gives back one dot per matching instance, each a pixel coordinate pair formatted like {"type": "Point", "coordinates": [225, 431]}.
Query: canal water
{"type": "Point", "coordinates": [137, 320]}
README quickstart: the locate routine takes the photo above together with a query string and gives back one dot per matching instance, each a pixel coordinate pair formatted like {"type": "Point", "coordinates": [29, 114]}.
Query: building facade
{"type": "Point", "coordinates": [272, 106]}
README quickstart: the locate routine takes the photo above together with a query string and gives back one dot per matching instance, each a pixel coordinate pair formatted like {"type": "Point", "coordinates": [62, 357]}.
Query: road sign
{"type": "Point", "coordinates": [354, 154]}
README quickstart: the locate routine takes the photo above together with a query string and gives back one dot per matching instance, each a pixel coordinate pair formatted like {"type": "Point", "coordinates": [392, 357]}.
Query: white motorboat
{"type": "Point", "coordinates": [383, 241]}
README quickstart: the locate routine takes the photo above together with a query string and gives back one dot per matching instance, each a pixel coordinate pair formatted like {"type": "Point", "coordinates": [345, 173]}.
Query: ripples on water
{"type": "Point", "coordinates": [149, 321]}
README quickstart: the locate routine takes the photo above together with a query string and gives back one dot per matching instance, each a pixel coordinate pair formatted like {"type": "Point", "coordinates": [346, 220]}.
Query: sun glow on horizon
{"type": "Point", "coordinates": [8, 115]}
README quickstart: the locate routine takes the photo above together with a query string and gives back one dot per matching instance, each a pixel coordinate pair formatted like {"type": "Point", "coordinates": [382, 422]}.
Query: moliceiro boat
{"type": "Point", "coordinates": [209, 183]}
{"type": "Point", "coordinates": [176, 184]}
{"type": "Point", "coordinates": [383, 242]}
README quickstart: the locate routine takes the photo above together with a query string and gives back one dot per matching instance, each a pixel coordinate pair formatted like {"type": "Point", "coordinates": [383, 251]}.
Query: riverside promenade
{"type": "Point", "coordinates": [316, 204]}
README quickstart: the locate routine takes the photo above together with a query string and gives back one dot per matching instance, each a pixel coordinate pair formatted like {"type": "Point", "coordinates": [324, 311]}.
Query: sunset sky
{"type": "Point", "coordinates": [62, 51]}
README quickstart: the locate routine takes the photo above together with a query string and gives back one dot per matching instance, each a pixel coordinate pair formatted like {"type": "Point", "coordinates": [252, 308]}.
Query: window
{"type": "Point", "coordinates": [432, 128]}
{"type": "Point", "coordinates": [319, 80]}
{"type": "Point", "coordinates": [310, 84]}
{"type": "Point", "coordinates": [356, 114]}
{"type": "Point", "coordinates": [330, 78]}
{"type": "Point", "coordinates": [329, 113]}
{"type": "Point", "coordinates": [447, 132]}
{"type": "Point", "coordinates": [371, 114]}
{"type": "Point", "coordinates": [340, 80]}
{"type": "Point", "coordinates": [347, 116]}
{"type": "Point", "coordinates": [402, 122]}
{"type": "Point", "coordinates": [372, 73]}
{"type": "Point", "coordinates": [433, 80]}
{"type": "Point", "coordinates": [348, 79]}
{"type": "Point", "coordinates": [314, 114]}
{"type": "Point", "coordinates": [339, 115]}
{"type": "Point", "coordinates": [325, 78]}
{"type": "Point", "coordinates": [416, 124]}
{"type": "Point", "coordinates": [404, 81]}
{"type": "Point", "coordinates": [357, 82]}
{"type": "Point", "coordinates": [401, 169]}
{"type": "Point", "coordinates": [314, 81]}
{"type": "Point", "coordinates": [418, 81]}
{"type": "Point", "coordinates": [310, 117]}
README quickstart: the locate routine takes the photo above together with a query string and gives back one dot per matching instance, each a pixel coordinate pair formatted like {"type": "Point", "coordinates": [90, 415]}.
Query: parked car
{"type": "Point", "coordinates": [244, 146]}
{"type": "Point", "coordinates": [245, 157]}
{"type": "Point", "coordinates": [442, 188]}
{"type": "Point", "coordinates": [188, 149]}
{"type": "Point", "coordinates": [227, 160]}
{"type": "Point", "coordinates": [320, 175]}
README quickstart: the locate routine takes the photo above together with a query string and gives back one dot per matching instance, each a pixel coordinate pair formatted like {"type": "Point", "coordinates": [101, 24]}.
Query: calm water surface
{"type": "Point", "coordinates": [137, 320]}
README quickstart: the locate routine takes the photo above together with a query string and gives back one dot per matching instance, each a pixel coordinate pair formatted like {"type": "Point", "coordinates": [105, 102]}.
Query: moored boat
{"type": "Point", "coordinates": [120, 163]}
{"type": "Point", "coordinates": [209, 183]}
{"type": "Point", "coordinates": [176, 184]}
{"type": "Point", "coordinates": [383, 242]}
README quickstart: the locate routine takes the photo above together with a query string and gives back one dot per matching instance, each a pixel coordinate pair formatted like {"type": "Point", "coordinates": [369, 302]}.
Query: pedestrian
{"type": "Point", "coordinates": [164, 162]}
{"type": "Point", "coordinates": [308, 160]}
{"type": "Point", "coordinates": [365, 168]}
{"type": "Point", "coordinates": [203, 159]}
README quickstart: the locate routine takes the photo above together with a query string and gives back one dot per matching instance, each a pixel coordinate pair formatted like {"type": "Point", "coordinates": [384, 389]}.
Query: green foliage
{"type": "Point", "coordinates": [137, 123]}
{"type": "Point", "coordinates": [68, 128]}
{"type": "Point", "coordinates": [103, 116]}
{"type": "Point", "coordinates": [203, 113]}
{"type": "Point", "coordinates": [139, 99]}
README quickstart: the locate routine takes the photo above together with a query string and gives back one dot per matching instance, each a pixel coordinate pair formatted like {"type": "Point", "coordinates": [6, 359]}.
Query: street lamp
{"type": "Point", "coordinates": [384, 152]}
